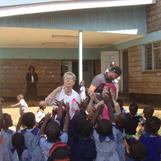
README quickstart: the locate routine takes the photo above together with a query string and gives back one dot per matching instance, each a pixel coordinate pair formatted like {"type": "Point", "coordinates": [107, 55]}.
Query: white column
{"type": "Point", "coordinates": [80, 36]}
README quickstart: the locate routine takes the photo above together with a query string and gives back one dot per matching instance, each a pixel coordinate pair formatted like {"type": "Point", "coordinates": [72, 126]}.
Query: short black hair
{"type": "Point", "coordinates": [104, 127]}
{"type": "Point", "coordinates": [52, 130]}
{"type": "Point", "coordinates": [28, 119]}
{"type": "Point", "coordinates": [86, 128]}
{"type": "Point", "coordinates": [18, 140]}
{"type": "Point", "coordinates": [152, 125]}
{"type": "Point", "coordinates": [138, 150]}
{"type": "Point", "coordinates": [116, 70]}
{"type": "Point", "coordinates": [121, 120]}
{"type": "Point", "coordinates": [133, 108]}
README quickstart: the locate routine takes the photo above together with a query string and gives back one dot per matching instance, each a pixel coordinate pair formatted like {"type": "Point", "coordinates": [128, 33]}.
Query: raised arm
{"type": "Point", "coordinates": [67, 119]}
{"type": "Point", "coordinates": [49, 99]}
{"type": "Point", "coordinates": [91, 89]}
{"type": "Point", "coordinates": [14, 105]}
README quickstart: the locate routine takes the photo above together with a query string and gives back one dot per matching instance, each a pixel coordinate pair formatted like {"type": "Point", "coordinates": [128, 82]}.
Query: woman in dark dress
{"type": "Point", "coordinates": [31, 91]}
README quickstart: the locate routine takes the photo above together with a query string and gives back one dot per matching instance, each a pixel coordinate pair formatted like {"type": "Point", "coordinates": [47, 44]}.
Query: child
{"type": "Point", "coordinates": [133, 120]}
{"type": "Point", "coordinates": [19, 151]}
{"type": "Point", "coordinates": [105, 143]}
{"type": "Point", "coordinates": [40, 113]}
{"type": "Point", "coordinates": [121, 122]}
{"type": "Point", "coordinates": [109, 96]}
{"type": "Point", "coordinates": [59, 152]}
{"type": "Point", "coordinates": [82, 91]}
{"type": "Point", "coordinates": [5, 133]}
{"type": "Point", "coordinates": [51, 128]}
{"type": "Point", "coordinates": [147, 112]}
{"type": "Point", "coordinates": [32, 136]}
{"type": "Point", "coordinates": [22, 104]}
{"type": "Point", "coordinates": [82, 145]}
{"type": "Point", "coordinates": [151, 139]}
{"type": "Point", "coordinates": [137, 152]}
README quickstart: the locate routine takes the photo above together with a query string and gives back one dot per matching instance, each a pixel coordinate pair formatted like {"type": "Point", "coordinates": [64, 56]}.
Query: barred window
{"type": "Point", "coordinates": [153, 56]}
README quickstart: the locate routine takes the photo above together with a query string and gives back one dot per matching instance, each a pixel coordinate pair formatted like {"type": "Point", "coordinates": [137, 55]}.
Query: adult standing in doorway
{"type": "Point", "coordinates": [32, 79]}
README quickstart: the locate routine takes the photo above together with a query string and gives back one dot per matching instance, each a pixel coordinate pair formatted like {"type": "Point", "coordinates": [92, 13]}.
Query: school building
{"type": "Point", "coordinates": [59, 35]}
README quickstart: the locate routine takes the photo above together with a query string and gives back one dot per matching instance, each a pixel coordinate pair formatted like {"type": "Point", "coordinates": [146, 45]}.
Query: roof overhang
{"type": "Point", "coordinates": [53, 6]}
{"type": "Point", "coordinates": [54, 38]}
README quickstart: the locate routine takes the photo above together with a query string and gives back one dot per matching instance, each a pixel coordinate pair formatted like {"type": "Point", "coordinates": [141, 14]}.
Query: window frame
{"type": "Point", "coordinates": [143, 51]}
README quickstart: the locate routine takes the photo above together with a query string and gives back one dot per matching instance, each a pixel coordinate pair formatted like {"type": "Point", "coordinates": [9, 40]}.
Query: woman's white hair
{"type": "Point", "coordinates": [70, 74]}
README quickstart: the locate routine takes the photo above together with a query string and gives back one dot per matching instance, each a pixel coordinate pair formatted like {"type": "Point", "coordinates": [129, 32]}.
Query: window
{"type": "Point", "coordinates": [153, 56]}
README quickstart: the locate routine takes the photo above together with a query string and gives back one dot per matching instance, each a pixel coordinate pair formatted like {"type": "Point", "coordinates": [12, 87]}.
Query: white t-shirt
{"type": "Point", "coordinates": [32, 79]}
{"type": "Point", "coordinates": [23, 106]}
{"type": "Point", "coordinates": [72, 100]}
{"type": "Point", "coordinates": [82, 93]}
{"type": "Point", "coordinates": [39, 116]}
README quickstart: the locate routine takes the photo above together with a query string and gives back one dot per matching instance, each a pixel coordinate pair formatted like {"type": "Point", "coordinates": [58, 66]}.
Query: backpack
{"type": "Point", "coordinates": [59, 152]}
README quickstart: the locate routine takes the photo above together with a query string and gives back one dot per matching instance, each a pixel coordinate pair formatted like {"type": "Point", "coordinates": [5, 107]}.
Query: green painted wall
{"type": "Point", "coordinates": [48, 53]}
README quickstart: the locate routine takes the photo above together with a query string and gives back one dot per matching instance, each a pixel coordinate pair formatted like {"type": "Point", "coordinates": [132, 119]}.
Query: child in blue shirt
{"type": "Point", "coordinates": [119, 133]}
{"type": "Point", "coordinates": [82, 145]}
{"type": "Point", "coordinates": [105, 141]}
{"type": "Point", "coordinates": [19, 151]}
{"type": "Point", "coordinates": [151, 139]}
{"type": "Point", "coordinates": [31, 135]}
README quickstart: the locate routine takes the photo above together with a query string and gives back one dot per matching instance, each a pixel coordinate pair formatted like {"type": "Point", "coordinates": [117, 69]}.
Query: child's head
{"type": "Point", "coordinates": [7, 120]}
{"type": "Point", "coordinates": [42, 105]}
{"type": "Point", "coordinates": [28, 119]}
{"type": "Point", "coordinates": [120, 102]}
{"type": "Point", "coordinates": [18, 140]}
{"type": "Point", "coordinates": [59, 152]}
{"type": "Point", "coordinates": [148, 111]}
{"type": "Point", "coordinates": [121, 120]}
{"type": "Point", "coordinates": [20, 97]}
{"type": "Point", "coordinates": [52, 131]}
{"type": "Point", "coordinates": [152, 125]}
{"type": "Point", "coordinates": [82, 83]}
{"type": "Point", "coordinates": [133, 108]}
{"type": "Point", "coordinates": [104, 127]}
{"type": "Point", "coordinates": [138, 151]}
{"type": "Point", "coordinates": [85, 128]}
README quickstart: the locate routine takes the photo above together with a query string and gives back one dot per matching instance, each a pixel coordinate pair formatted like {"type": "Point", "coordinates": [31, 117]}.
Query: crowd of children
{"type": "Point", "coordinates": [97, 131]}
{"type": "Point", "coordinates": [85, 137]}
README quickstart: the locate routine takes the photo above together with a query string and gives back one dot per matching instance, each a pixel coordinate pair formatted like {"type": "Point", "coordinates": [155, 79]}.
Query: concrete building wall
{"type": "Point", "coordinates": [153, 13]}
{"type": "Point", "coordinates": [14, 64]}
{"type": "Point", "coordinates": [141, 82]}
{"type": "Point", "coordinates": [13, 72]}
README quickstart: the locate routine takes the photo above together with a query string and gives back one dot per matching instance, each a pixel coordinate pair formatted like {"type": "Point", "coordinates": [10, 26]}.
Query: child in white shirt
{"type": "Point", "coordinates": [40, 113]}
{"type": "Point", "coordinates": [22, 104]}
